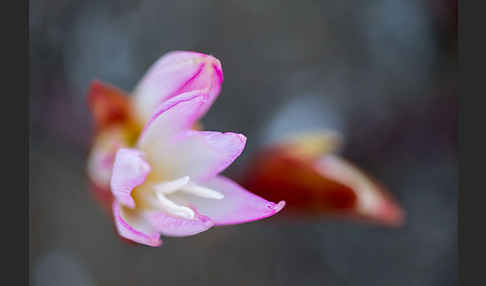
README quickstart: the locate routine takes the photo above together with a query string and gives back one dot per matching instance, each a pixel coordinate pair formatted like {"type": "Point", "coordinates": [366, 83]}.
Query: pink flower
{"type": "Point", "coordinates": [165, 178]}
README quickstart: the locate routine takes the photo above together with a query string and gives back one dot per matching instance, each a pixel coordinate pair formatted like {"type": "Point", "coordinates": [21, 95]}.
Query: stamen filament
{"type": "Point", "coordinates": [200, 191]}
{"type": "Point", "coordinates": [174, 208]}
{"type": "Point", "coordinates": [182, 184]}
{"type": "Point", "coordinates": [172, 186]}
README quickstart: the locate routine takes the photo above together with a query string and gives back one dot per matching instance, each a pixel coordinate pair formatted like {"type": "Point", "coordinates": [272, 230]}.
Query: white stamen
{"type": "Point", "coordinates": [174, 208]}
{"type": "Point", "coordinates": [182, 184]}
{"type": "Point", "coordinates": [171, 186]}
{"type": "Point", "coordinates": [200, 191]}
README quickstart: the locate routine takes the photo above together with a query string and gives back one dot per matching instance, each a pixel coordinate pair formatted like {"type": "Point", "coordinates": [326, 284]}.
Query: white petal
{"type": "Point", "coordinates": [197, 154]}
{"type": "Point", "coordinates": [237, 206]}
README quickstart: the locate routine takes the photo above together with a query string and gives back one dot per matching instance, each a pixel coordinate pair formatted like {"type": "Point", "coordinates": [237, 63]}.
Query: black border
{"type": "Point", "coordinates": [460, 145]}
{"type": "Point", "coordinates": [17, 40]}
{"type": "Point", "coordinates": [27, 91]}
{"type": "Point", "coordinates": [460, 256]}
{"type": "Point", "coordinates": [24, 49]}
{"type": "Point", "coordinates": [471, 63]}
{"type": "Point", "coordinates": [15, 155]}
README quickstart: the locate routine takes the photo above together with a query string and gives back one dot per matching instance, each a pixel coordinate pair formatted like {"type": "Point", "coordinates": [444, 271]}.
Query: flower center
{"type": "Point", "coordinates": [183, 184]}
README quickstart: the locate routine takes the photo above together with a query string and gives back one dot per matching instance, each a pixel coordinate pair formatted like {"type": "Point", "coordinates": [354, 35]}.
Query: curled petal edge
{"type": "Point", "coordinates": [134, 228]}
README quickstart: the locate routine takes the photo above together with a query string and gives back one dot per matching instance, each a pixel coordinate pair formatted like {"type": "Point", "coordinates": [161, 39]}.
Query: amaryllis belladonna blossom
{"type": "Point", "coordinates": [304, 172]}
{"type": "Point", "coordinates": [163, 173]}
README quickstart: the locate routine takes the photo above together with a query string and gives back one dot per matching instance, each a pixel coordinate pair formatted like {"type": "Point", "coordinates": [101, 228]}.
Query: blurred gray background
{"type": "Point", "coordinates": [383, 73]}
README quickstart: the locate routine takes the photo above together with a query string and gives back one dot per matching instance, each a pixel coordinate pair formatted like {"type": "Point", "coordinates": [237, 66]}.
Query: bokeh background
{"type": "Point", "coordinates": [383, 73]}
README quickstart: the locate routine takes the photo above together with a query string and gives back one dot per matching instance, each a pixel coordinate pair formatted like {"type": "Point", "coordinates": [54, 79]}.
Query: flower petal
{"type": "Point", "coordinates": [197, 154]}
{"type": "Point", "coordinates": [237, 206]}
{"type": "Point", "coordinates": [314, 185]}
{"type": "Point", "coordinates": [129, 170]}
{"type": "Point", "coordinates": [108, 104]}
{"type": "Point", "coordinates": [102, 155]}
{"type": "Point", "coordinates": [373, 202]}
{"type": "Point", "coordinates": [177, 226]}
{"type": "Point", "coordinates": [175, 73]}
{"type": "Point", "coordinates": [172, 116]}
{"type": "Point", "coordinates": [102, 195]}
{"type": "Point", "coordinates": [133, 226]}
{"type": "Point", "coordinates": [277, 173]}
